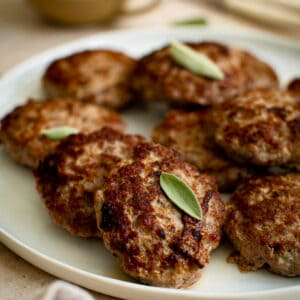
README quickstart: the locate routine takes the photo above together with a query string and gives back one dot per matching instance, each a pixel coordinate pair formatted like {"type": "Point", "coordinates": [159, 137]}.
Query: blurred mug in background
{"type": "Point", "coordinates": [78, 12]}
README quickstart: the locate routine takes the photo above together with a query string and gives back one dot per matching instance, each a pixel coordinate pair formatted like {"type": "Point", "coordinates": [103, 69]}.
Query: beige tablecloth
{"type": "Point", "coordinates": [24, 34]}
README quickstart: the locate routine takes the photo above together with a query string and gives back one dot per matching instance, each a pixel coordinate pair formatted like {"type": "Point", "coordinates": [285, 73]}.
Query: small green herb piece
{"type": "Point", "coordinates": [190, 22]}
{"type": "Point", "coordinates": [286, 258]}
{"type": "Point", "coordinates": [195, 61]}
{"type": "Point", "coordinates": [59, 132]}
{"type": "Point", "coordinates": [181, 195]}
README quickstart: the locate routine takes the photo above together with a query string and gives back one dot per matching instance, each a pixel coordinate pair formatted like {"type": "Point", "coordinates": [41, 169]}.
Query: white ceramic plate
{"type": "Point", "coordinates": [28, 231]}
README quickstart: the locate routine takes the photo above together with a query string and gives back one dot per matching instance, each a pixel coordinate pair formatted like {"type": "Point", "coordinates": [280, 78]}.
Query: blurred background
{"type": "Point", "coordinates": [30, 26]}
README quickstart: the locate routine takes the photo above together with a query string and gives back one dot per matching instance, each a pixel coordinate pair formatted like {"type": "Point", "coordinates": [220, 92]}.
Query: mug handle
{"type": "Point", "coordinates": [139, 8]}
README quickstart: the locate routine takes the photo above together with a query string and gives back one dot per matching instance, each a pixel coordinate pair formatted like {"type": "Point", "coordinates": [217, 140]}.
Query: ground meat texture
{"type": "Point", "coordinates": [157, 77]}
{"type": "Point", "coordinates": [157, 243]}
{"type": "Point", "coordinates": [100, 76]}
{"type": "Point", "coordinates": [294, 88]}
{"type": "Point", "coordinates": [190, 133]}
{"type": "Point", "coordinates": [67, 178]}
{"type": "Point", "coordinates": [263, 224]}
{"type": "Point", "coordinates": [21, 129]}
{"type": "Point", "coordinates": [261, 128]}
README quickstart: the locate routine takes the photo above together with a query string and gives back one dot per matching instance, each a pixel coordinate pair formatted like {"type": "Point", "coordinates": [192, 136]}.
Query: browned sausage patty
{"type": "Point", "coordinates": [100, 76]}
{"type": "Point", "coordinates": [189, 132]}
{"type": "Point", "coordinates": [156, 242]}
{"type": "Point", "coordinates": [294, 88]}
{"type": "Point", "coordinates": [21, 129]}
{"type": "Point", "coordinates": [67, 178]}
{"type": "Point", "coordinates": [158, 77]}
{"type": "Point", "coordinates": [261, 127]}
{"type": "Point", "coordinates": [263, 223]}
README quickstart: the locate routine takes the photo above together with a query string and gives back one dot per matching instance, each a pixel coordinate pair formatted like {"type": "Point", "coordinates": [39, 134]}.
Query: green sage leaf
{"type": "Point", "coordinates": [181, 195]}
{"type": "Point", "coordinates": [194, 61]}
{"type": "Point", "coordinates": [59, 132]}
{"type": "Point", "coordinates": [190, 22]}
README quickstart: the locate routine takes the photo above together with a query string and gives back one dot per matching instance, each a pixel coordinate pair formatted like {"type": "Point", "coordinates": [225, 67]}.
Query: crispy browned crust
{"type": "Point", "coordinates": [156, 242]}
{"type": "Point", "coordinates": [261, 128]}
{"type": "Point", "coordinates": [262, 222]}
{"type": "Point", "coordinates": [21, 129]}
{"type": "Point", "coordinates": [100, 76]}
{"type": "Point", "coordinates": [294, 88]}
{"type": "Point", "coordinates": [67, 178]}
{"type": "Point", "coordinates": [190, 133]}
{"type": "Point", "coordinates": [158, 77]}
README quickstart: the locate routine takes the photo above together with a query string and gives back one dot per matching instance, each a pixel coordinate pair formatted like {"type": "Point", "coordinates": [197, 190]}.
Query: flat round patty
{"type": "Point", "coordinates": [158, 77]}
{"type": "Point", "coordinates": [100, 76]}
{"type": "Point", "coordinates": [21, 129]}
{"type": "Point", "coordinates": [156, 242]}
{"type": "Point", "coordinates": [67, 178]}
{"type": "Point", "coordinates": [263, 223]}
{"type": "Point", "coordinates": [189, 132]}
{"type": "Point", "coordinates": [260, 127]}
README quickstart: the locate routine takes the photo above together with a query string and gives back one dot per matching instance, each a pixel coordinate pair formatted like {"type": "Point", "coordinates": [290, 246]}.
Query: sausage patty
{"type": "Point", "coordinates": [21, 129]}
{"type": "Point", "coordinates": [261, 127]}
{"type": "Point", "coordinates": [294, 88]}
{"type": "Point", "coordinates": [67, 178]}
{"type": "Point", "coordinates": [156, 242]}
{"type": "Point", "coordinates": [100, 76]}
{"type": "Point", "coordinates": [263, 223]}
{"type": "Point", "coordinates": [189, 132]}
{"type": "Point", "coordinates": [158, 77]}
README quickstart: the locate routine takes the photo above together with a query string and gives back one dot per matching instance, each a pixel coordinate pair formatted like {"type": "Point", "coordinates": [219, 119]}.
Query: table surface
{"type": "Point", "coordinates": [24, 34]}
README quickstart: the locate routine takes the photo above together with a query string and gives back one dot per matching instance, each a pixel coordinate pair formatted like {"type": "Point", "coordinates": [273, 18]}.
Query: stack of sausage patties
{"type": "Point", "coordinates": [234, 129]}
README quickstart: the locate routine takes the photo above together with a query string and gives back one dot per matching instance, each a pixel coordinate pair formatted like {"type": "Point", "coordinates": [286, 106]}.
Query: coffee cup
{"type": "Point", "coordinates": [77, 12]}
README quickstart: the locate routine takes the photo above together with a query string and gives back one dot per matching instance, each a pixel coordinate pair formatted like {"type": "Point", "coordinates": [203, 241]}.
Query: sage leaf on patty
{"type": "Point", "coordinates": [181, 195]}
{"type": "Point", "coordinates": [194, 61]}
{"type": "Point", "coordinates": [190, 22]}
{"type": "Point", "coordinates": [59, 132]}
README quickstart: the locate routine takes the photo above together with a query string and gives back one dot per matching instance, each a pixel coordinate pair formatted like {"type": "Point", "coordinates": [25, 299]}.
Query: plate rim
{"type": "Point", "coordinates": [26, 251]}
{"type": "Point", "coordinates": [228, 30]}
